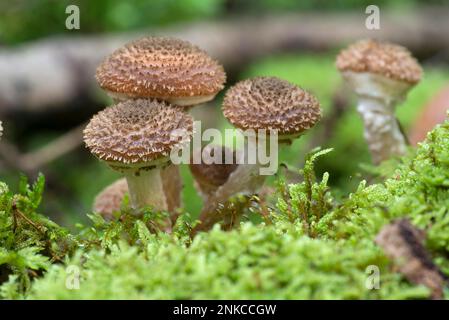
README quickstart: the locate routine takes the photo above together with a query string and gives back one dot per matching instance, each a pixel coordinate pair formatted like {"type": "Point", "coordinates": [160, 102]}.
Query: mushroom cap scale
{"type": "Point", "coordinates": [271, 103]}
{"type": "Point", "coordinates": [163, 68]}
{"type": "Point", "coordinates": [137, 133]}
{"type": "Point", "coordinates": [386, 59]}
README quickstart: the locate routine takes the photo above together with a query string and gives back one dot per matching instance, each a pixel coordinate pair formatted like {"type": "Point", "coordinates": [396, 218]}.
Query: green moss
{"type": "Point", "coordinates": [255, 262]}
{"type": "Point", "coordinates": [312, 246]}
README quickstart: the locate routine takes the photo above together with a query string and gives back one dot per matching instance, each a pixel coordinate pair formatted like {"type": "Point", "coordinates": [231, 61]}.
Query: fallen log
{"type": "Point", "coordinates": [51, 73]}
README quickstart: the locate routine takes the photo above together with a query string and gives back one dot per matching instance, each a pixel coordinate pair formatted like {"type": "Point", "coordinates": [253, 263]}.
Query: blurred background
{"type": "Point", "coordinates": [48, 90]}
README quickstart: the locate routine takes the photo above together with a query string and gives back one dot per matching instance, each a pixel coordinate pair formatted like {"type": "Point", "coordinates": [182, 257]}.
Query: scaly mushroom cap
{"type": "Point", "coordinates": [213, 175]}
{"type": "Point", "coordinates": [109, 200]}
{"type": "Point", "coordinates": [271, 103]}
{"type": "Point", "coordinates": [162, 68]}
{"type": "Point", "coordinates": [137, 132]}
{"type": "Point", "coordinates": [386, 59]}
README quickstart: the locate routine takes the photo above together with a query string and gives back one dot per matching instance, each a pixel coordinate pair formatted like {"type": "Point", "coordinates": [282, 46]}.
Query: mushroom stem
{"type": "Point", "coordinates": [382, 131]}
{"type": "Point", "coordinates": [245, 179]}
{"type": "Point", "coordinates": [146, 189]}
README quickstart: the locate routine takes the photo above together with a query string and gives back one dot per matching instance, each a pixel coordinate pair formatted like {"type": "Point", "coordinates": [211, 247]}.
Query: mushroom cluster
{"type": "Point", "coordinates": [155, 81]}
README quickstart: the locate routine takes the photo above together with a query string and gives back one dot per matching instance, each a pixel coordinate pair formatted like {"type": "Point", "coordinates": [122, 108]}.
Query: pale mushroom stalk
{"type": "Point", "coordinates": [146, 188]}
{"type": "Point", "coordinates": [381, 129]}
{"type": "Point", "coordinates": [246, 179]}
{"type": "Point", "coordinates": [377, 97]}
{"type": "Point", "coordinates": [380, 74]}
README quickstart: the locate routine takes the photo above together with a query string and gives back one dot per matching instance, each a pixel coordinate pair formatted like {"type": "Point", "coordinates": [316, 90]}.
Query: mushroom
{"type": "Point", "coordinates": [109, 200]}
{"type": "Point", "coordinates": [164, 68]}
{"type": "Point", "coordinates": [264, 103]}
{"type": "Point", "coordinates": [1, 129]}
{"type": "Point", "coordinates": [380, 74]}
{"type": "Point", "coordinates": [209, 176]}
{"type": "Point", "coordinates": [260, 103]}
{"type": "Point", "coordinates": [135, 138]}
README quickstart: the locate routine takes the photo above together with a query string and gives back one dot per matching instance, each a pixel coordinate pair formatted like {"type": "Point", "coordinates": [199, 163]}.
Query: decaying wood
{"type": "Point", "coordinates": [51, 73]}
{"type": "Point", "coordinates": [403, 243]}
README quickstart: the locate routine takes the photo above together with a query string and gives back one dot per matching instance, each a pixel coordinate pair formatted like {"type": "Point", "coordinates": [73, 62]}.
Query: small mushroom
{"type": "Point", "coordinates": [210, 176]}
{"type": "Point", "coordinates": [164, 68]}
{"type": "Point", "coordinates": [260, 103]}
{"type": "Point", "coordinates": [1, 129]}
{"type": "Point", "coordinates": [380, 74]}
{"type": "Point", "coordinates": [109, 200]}
{"type": "Point", "coordinates": [135, 138]}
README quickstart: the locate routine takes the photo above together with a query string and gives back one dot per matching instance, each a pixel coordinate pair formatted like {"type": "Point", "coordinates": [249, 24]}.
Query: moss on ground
{"type": "Point", "coordinates": [311, 245]}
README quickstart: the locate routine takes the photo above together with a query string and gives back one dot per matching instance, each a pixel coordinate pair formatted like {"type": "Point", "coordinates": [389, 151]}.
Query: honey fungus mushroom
{"type": "Point", "coordinates": [208, 177]}
{"type": "Point", "coordinates": [168, 69]}
{"type": "Point", "coordinates": [135, 138]}
{"type": "Point", "coordinates": [260, 104]}
{"type": "Point", "coordinates": [381, 74]}
{"type": "Point", "coordinates": [270, 103]}
{"type": "Point", "coordinates": [109, 200]}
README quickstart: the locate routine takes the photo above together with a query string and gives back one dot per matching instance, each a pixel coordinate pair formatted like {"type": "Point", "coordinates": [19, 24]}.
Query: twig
{"type": "Point", "coordinates": [62, 145]}
{"type": "Point", "coordinates": [34, 160]}
{"type": "Point", "coordinates": [16, 211]}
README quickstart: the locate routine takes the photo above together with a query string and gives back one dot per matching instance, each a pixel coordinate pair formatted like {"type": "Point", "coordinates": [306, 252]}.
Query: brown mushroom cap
{"type": "Point", "coordinates": [271, 103]}
{"type": "Point", "coordinates": [109, 200]}
{"type": "Point", "coordinates": [161, 68]}
{"type": "Point", "coordinates": [213, 175]}
{"type": "Point", "coordinates": [137, 132]}
{"type": "Point", "coordinates": [390, 60]}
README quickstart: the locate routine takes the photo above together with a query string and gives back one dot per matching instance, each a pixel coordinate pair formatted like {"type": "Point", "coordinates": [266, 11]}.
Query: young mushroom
{"type": "Point", "coordinates": [135, 138]}
{"type": "Point", "coordinates": [208, 177]}
{"type": "Point", "coordinates": [163, 68]}
{"type": "Point", "coordinates": [380, 74]}
{"type": "Point", "coordinates": [261, 103]}
{"type": "Point", "coordinates": [109, 200]}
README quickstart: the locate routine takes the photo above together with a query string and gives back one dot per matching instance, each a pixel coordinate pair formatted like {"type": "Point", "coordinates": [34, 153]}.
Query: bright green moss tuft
{"type": "Point", "coordinates": [311, 247]}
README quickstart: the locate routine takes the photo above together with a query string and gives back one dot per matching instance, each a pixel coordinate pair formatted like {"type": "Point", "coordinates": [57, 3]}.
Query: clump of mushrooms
{"type": "Point", "coordinates": [135, 138]}
{"type": "Point", "coordinates": [166, 69]}
{"type": "Point", "coordinates": [380, 74]}
{"type": "Point", "coordinates": [261, 103]}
